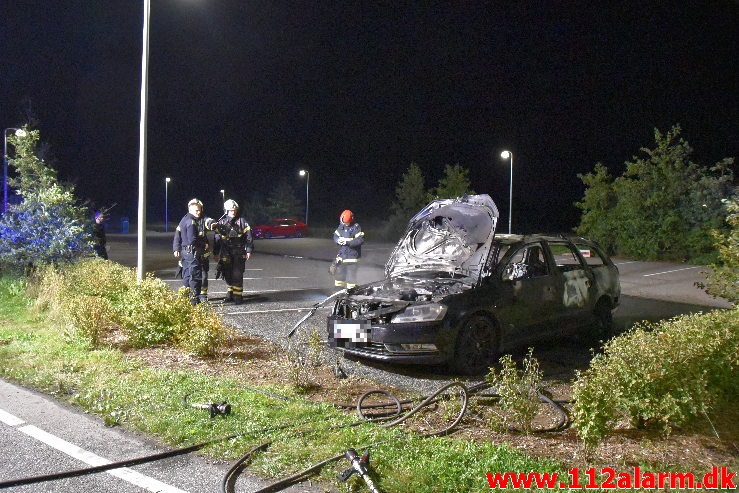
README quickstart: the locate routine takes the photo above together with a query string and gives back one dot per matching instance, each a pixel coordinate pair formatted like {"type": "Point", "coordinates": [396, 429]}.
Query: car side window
{"type": "Point", "coordinates": [566, 257]}
{"type": "Point", "coordinates": [527, 263]}
{"type": "Point", "coordinates": [592, 256]}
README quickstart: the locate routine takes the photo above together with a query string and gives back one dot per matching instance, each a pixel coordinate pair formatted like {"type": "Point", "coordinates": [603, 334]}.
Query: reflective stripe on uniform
{"type": "Point", "coordinates": [349, 260]}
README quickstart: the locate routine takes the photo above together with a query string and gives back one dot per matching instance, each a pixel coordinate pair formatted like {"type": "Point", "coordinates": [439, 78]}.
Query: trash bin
{"type": "Point", "coordinates": [124, 225]}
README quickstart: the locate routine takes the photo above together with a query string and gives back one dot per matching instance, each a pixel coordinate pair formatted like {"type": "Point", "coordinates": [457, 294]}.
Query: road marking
{"type": "Point", "coordinates": [670, 271]}
{"type": "Point", "coordinates": [72, 450]}
{"type": "Point", "coordinates": [10, 419]}
{"type": "Point", "coordinates": [624, 263]}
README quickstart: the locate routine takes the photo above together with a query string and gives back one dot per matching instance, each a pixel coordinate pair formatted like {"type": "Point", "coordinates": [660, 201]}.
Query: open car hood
{"type": "Point", "coordinates": [448, 235]}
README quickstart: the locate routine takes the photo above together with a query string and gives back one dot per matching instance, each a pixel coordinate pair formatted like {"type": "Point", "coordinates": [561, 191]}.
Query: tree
{"type": "Point", "coordinates": [410, 197]}
{"type": "Point", "coordinates": [282, 202]}
{"type": "Point", "coordinates": [47, 226]}
{"type": "Point", "coordinates": [663, 206]}
{"type": "Point", "coordinates": [454, 183]}
{"type": "Point", "coordinates": [723, 279]}
{"type": "Point", "coordinates": [597, 204]}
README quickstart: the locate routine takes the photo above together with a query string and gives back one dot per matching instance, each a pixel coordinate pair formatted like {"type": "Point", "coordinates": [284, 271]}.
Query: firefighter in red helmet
{"type": "Point", "coordinates": [349, 237]}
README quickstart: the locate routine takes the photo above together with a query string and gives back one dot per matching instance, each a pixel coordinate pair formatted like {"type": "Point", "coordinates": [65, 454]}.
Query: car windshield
{"type": "Point", "coordinates": [449, 235]}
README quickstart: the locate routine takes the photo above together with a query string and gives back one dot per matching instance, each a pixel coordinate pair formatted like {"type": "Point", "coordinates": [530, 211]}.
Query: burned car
{"type": "Point", "coordinates": [456, 292]}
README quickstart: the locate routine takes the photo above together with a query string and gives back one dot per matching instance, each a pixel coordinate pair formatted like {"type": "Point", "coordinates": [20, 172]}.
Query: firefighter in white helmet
{"type": "Point", "coordinates": [190, 245]}
{"type": "Point", "coordinates": [233, 247]}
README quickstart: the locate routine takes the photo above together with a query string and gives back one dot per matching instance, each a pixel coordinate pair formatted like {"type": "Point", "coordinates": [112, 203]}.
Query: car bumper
{"type": "Point", "coordinates": [424, 343]}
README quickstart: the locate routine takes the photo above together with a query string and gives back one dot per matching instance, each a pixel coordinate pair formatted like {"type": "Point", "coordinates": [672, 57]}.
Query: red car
{"type": "Point", "coordinates": [280, 227]}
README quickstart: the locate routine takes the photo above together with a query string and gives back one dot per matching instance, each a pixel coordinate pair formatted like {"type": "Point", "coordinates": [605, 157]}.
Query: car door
{"type": "Point", "coordinates": [530, 294]}
{"type": "Point", "coordinates": [577, 280]}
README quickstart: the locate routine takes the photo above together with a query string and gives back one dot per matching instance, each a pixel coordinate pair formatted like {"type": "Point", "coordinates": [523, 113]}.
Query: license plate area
{"type": "Point", "coordinates": [349, 333]}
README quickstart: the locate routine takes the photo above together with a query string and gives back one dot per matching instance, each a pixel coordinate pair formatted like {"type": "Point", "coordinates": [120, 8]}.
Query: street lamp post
{"type": "Point", "coordinates": [141, 245]}
{"type": "Point", "coordinates": [223, 196]}
{"type": "Point", "coordinates": [19, 132]}
{"type": "Point", "coordinates": [307, 181]}
{"type": "Point", "coordinates": [506, 155]}
{"type": "Point", "coordinates": [166, 204]}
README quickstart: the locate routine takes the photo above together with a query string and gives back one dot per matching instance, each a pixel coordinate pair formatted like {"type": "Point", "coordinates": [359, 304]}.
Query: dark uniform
{"type": "Point", "coordinates": [349, 237]}
{"type": "Point", "coordinates": [99, 240]}
{"type": "Point", "coordinates": [191, 242]}
{"type": "Point", "coordinates": [233, 241]}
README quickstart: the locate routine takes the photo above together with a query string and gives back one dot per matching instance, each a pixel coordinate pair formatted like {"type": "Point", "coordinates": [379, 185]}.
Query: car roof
{"type": "Point", "coordinates": [510, 239]}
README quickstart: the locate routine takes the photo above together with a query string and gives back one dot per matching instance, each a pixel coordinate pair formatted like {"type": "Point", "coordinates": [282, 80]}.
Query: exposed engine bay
{"type": "Point", "coordinates": [380, 300]}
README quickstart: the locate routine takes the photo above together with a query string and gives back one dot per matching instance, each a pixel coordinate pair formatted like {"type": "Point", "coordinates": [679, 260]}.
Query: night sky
{"type": "Point", "coordinates": [243, 94]}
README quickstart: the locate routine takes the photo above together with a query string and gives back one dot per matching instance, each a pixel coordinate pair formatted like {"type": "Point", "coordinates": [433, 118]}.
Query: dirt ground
{"type": "Point", "coordinates": [695, 449]}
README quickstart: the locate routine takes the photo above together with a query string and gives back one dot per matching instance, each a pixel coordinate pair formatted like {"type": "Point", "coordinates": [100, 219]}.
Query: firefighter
{"type": "Point", "coordinates": [190, 245]}
{"type": "Point", "coordinates": [233, 247]}
{"type": "Point", "coordinates": [349, 237]}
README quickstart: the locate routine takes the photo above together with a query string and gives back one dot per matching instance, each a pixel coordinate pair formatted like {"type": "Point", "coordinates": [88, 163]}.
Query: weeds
{"type": "Point", "coordinates": [519, 392]}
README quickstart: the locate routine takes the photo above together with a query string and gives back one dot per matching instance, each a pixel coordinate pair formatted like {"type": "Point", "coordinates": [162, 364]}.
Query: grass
{"type": "Point", "coordinates": [124, 390]}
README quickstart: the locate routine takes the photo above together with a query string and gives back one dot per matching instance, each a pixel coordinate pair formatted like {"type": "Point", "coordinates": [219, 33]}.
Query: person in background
{"type": "Point", "coordinates": [233, 245]}
{"type": "Point", "coordinates": [99, 241]}
{"type": "Point", "coordinates": [349, 237]}
{"type": "Point", "coordinates": [190, 245]}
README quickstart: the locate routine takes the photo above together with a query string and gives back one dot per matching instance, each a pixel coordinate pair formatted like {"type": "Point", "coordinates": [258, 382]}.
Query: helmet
{"type": "Point", "coordinates": [346, 217]}
{"type": "Point", "coordinates": [230, 205]}
{"type": "Point", "coordinates": [195, 202]}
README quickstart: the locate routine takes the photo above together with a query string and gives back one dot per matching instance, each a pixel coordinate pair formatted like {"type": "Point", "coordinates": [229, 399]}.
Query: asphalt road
{"type": "Point", "coordinates": [283, 281]}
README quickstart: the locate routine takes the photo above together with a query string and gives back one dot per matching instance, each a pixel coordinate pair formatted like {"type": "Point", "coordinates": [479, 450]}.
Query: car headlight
{"type": "Point", "coordinates": [420, 313]}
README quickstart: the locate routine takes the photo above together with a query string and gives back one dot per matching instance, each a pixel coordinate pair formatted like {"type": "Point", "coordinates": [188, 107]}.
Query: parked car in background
{"type": "Point", "coordinates": [456, 292]}
{"type": "Point", "coordinates": [289, 228]}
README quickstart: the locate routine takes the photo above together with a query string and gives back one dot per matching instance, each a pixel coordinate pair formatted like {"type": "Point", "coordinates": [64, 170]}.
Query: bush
{"type": "Point", "coordinates": [98, 297]}
{"type": "Point", "coordinates": [518, 390]}
{"type": "Point", "coordinates": [659, 375]}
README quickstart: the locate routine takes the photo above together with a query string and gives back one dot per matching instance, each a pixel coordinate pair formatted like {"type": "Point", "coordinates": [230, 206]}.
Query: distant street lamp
{"type": "Point", "coordinates": [506, 155]}
{"type": "Point", "coordinates": [223, 195]}
{"type": "Point", "coordinates": [19, 132]}
{"type": "Point", "coordinates": [166, 204]}
{"type": "Point", "coordinates": [307, 181]}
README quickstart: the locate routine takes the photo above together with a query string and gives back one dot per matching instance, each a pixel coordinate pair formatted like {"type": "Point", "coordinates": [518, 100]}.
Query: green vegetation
{"type": "Point", "coordinates": [47, 226]}
{"type": "Point", "coordinates": [410, 195]}
{"type": "Point", "coordinates": [723, 279]}
{"type": "Point", "coordinates": [660, 375]}
{"type": "Point", "coordinates": [44, 348]}
{"type": "Point", "coordinates": [518, 391]}
{"type": "Point", "coordinates": [664, 207]}
{"type": "Point", "coordinates": [98, 301]}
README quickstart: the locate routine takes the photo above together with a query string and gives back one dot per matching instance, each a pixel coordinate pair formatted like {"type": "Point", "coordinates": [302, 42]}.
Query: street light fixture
{"type": "Point", "coordinates": [307, 181]}
{"type": "Point", "coordinates": [166, 204]}
{"type": "Point", "coordinates": [223, 195]}
{"type": "Point", "coordinates": [506, 155]}
{"type": "Point", "coordinates": [19, 132]}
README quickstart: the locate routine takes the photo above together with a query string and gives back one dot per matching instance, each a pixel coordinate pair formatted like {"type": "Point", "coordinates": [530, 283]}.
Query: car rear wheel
{"type": "Point", "coordinates": [477, 346]}
{"type": "Point", "coordinates": [298, 234]}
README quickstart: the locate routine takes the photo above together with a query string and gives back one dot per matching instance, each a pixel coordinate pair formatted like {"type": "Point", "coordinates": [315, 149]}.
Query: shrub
{"type": "Point", "coordinates": [659, 374]}
{"type": "Point", "coordinates": [96, 297]}
{"type": "Point", "coordinates": [518, 390]}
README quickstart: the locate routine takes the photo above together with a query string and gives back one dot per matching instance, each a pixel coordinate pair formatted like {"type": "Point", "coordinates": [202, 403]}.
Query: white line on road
{"type": "Point", "coordinates": [72, 450]}
{"type": "Point", "coordinates": [624, 263]}
{"type": "Point", "coordinates": [670, 271]}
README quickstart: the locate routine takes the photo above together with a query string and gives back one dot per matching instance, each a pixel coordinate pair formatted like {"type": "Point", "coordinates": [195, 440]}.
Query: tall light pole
{"type": "Point", "coordinates": [506, 155]}
{"type": "Point", "coordinates": [307, 181]}
{"type": "Point", "coordinates": [19, 132]}
{"type": "Point", "coordinates": [166, 204]}
{"type": "Point", "coordinates": [223, 196]}
{"type": "Point", "coordinates": [141, 246]}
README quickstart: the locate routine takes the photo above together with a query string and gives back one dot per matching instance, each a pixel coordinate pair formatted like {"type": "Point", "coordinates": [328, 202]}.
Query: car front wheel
{"type": "Point", "coordinates": [267, 235]}
{"type": "Point", "coordinates": [477, 346]}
